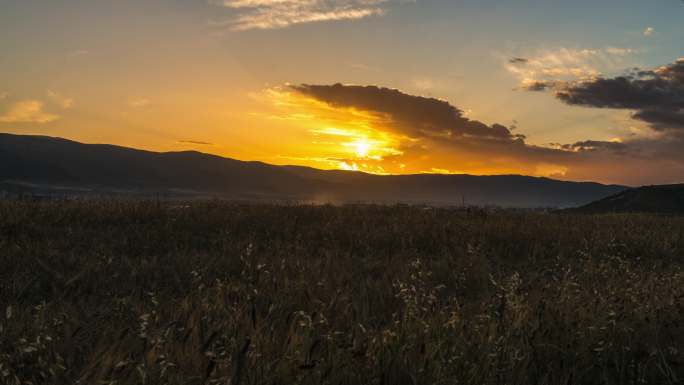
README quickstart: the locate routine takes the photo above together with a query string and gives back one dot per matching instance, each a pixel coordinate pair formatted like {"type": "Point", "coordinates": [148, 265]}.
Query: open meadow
{"type": "Point", "coordinates": [115, 292]}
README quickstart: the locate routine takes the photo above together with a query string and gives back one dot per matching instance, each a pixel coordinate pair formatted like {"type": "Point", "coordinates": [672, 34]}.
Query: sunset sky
{"type": "Point", "coordinates": [574, 90]}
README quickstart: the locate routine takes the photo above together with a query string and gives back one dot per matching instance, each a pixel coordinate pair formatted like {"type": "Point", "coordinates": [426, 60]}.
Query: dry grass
{"type": "Point", "coordinates": [221, 293]}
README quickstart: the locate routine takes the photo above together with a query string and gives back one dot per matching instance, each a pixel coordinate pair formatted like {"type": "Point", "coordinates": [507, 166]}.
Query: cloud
{"type": "Point", "coordinates": [27, 111]}
{"type": "Point", "coordinates": [383, 130]}
{"type": "Point", "coordinates": [4, 95]}
{"type": "Point", "coordinates": [79, 52]}
{"type": "Point", "coordinates": [415, 116]}
{"type": "Point", "coordinates": [196, 142]}
{"type": "Point", "coordinates": [547, 68]}
{"type": "Point", "coordinates": [594, 145]}
{"type": "Point", "coordinates": [275, 14]}
{"type": "Point", "coordinates": [423, 83]}
{"type": "Point", "coordinates": [662, 119]}
{"type": "Point", "coordinates": [518, 60]}
{"type": "Point", "coordinates": [62, 101]}
{"type": "Point", "coordinates": [407, 133]}
{"type": "Point", "coordinates": [656, 96]}
{"type": "Point", "coordinates": [649, 31]}
{"type": "Point", "coordinates": [138, 102]}
{"type": "Point", "coordinates": [538, 85]}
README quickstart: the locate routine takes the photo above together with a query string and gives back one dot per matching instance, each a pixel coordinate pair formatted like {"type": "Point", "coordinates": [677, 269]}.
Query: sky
{"type": "Point", "coordinates": [581, 90]}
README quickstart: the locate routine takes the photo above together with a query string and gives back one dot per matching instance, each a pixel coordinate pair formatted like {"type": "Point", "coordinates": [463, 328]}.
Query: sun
{"type": "Point", "coordinates": [362, 147]}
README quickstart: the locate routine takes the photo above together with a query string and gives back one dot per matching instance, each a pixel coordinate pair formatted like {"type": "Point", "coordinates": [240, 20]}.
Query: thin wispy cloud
{"type": "Point", "coordinates": [275, 14]}
{"type": "Point", "coordinates": [423, 83]}
{"type": "Point", "coordinates": [195, 142]}
{"type": "Point", "coordinates": [79, 52]}
{"type": "Point", "coordinates": [138, 102]}
{"type": "Point", "coordinates": [59, 99]}
{"type": "Point", "coordinates": [27, 111]}
{"type": "Point", "coordinates": [547, 68]}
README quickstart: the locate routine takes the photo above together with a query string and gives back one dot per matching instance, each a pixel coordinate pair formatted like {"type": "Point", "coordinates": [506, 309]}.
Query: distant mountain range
{"type": "Point", "coordinates": [46, 165]}
{"type": "Point", "coordinates": [666, 199]}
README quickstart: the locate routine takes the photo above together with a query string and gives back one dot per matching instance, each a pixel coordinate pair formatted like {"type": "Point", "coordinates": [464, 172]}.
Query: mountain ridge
{"type": "Point", "coordinates": [104, 168]}
{"type": "Point", "coordinates": [656, 199]}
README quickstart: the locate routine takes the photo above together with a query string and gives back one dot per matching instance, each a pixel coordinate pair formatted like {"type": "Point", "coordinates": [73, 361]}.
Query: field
{"type": "Point", "coordinates": [115, 292]}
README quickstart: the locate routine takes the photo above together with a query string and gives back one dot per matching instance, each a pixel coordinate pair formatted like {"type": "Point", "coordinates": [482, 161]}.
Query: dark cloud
{"type": "Point", "coordinates": [656, 95]}
{"type": "Point", "coordinates": [197, 142]}
{"type": "Point", "coordinates": [439, 130]}
{"type": "Point", "coordinates": [662, 119]}
{"type": "Point", "coordinates": [518, 60]}
{"type": "Point", "coordinates": [594, 145]}
{"type": "Point", "coordinates": [415, 116]}
{"type": "Point", "coordinates": [539, 85]}
{"type": "Point", "coordinates": [442, 137]}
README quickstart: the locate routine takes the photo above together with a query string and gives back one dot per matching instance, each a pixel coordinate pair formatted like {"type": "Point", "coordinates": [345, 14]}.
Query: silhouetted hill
{"type": "Point", "coordinates": [666, 199]}
{"type": "Point", "coordinates": [48, 165]}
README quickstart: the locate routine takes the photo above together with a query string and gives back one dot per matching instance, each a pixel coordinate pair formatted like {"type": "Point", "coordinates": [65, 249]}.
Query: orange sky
{"type": "Point", "coordinates": [217, 76]}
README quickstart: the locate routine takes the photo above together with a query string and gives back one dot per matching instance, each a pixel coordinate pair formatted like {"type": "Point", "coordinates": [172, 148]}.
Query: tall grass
{"type": "Point", "coordinates": [118, 292]}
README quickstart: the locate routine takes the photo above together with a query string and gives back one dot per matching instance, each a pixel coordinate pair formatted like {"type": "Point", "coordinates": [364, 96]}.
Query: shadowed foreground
{"type": "Point", "coordinates": [220, 293]}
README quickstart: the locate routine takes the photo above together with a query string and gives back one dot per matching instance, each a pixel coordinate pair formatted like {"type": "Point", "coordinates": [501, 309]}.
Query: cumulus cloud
{"type": "Point", "coordinates": [656, 96]}
{"type": "Point", "coordinates": [415, 116]}
{"type": "Point", "coordinates": [27, 111]}
{"type": "Point", "coordinates": [662, 119]}
{"type": "Point", "coordinates": [649, 31]}
{"type": "Point", "coordinates": [274, 14]}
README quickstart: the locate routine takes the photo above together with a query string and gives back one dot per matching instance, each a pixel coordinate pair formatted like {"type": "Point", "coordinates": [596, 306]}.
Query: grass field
{"type": "Point", "coordinates": [220, 293]}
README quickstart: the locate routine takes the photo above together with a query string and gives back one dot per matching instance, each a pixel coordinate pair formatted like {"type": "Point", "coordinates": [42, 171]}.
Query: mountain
{"type": "Point", "coordinates": [665, 199]}
{"type": "Point", "coordinates": [46, 165]}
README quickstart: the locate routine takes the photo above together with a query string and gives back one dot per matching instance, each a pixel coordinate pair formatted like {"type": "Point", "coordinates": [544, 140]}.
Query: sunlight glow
{"type": "Point", "coordinates": [362, 148]}
{"type": "Point", "coordinates": [346, 138]}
